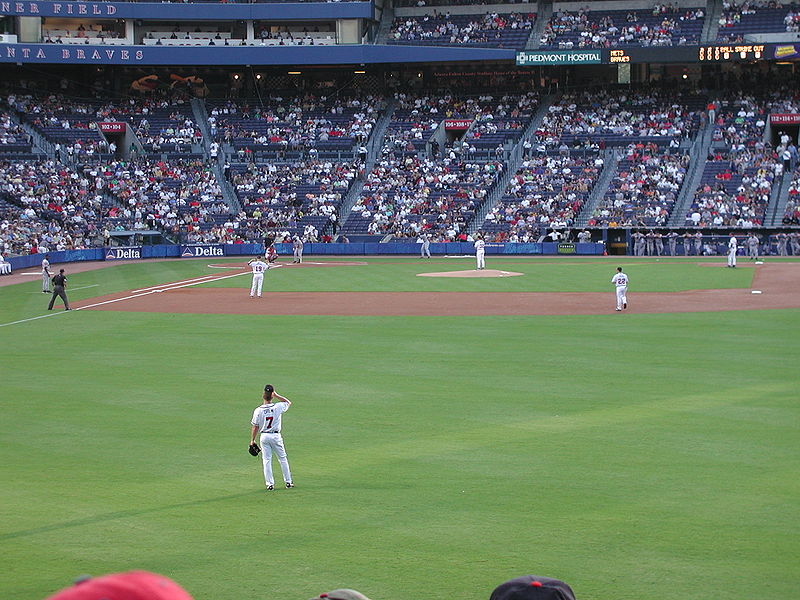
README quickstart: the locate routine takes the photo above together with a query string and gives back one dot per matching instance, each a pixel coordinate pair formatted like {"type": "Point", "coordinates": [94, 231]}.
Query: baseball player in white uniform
{"type": "Point", "coordinates": [258, 266]}
{"type": "Point", "coordinates": [732, 247]}
{"type": "Point", "coordinates": [297, 249]}
{"type": "Point", "coordinates": [267, 423]}
{"type": "Point", "coordinates": [620, 280]}
{"type": "Point", "coordinates": [480, 250]}
{"type": "Point", "coordinates": [46, 275]}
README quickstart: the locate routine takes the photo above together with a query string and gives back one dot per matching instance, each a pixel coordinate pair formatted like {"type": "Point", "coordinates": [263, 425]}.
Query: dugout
{"type": "Point", "coordinates": [131, 237]}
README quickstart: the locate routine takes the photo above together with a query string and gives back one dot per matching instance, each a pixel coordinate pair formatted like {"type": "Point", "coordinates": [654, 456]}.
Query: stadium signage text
{"type": "Point", "coordinates": [200, 251]}
{"type": "Point", "coordinates": [457, 123]}
{"type": "Point", "coordinates": [234, 11]}
{"type": "Point", "coordinates": [784, 119]}
{"type": "Point", "coordinates": [72, 54]}
{"type": "Point", "coordinates": [560, 57]}
{"type": "Point", "coordinates": [112, 127]}
{"type": "Point", "coordinates": [58, 8]}
{"type": "Point", "coordinates": [127, 253]}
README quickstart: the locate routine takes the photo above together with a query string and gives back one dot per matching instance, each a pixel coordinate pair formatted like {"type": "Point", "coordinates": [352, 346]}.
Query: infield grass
{"type": "Point", "coordinates": [435, 457]}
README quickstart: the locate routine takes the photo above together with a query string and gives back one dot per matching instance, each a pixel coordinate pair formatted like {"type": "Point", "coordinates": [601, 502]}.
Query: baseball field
{"type": "Point", "coordinates": [447, 433]}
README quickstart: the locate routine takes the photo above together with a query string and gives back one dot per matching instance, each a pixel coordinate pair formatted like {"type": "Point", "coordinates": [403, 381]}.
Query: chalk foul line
{"type": "Point", "coordinates": [165, 288]}
{"type": "Point", "coordinates": [160, 289]}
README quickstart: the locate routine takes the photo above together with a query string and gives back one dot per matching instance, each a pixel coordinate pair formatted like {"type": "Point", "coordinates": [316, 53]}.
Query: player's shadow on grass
{"type": "Point", "coordinates": [121, 514]}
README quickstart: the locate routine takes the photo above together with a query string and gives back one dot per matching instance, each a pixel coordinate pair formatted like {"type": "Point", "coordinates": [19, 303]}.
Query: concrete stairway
{"type": "Point", "coordinates": [374, 145]}
{"type": "Point", "coordinates": [543, 14]}
{"type": "Point", "coordinates": [777, 201]}
{"type": "Point", "coordinates": [697, 162]}
{"type": "Point", "coordinates": [513, 163]}
{"type": "Point", "coordinates": [611, 158]}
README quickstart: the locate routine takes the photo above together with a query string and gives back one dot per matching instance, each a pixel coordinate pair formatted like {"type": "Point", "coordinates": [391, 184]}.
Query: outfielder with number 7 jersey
{"type": "Point", "coordinates": [620, 280]}
{"type": "Point", "coordinates": [267, 422]}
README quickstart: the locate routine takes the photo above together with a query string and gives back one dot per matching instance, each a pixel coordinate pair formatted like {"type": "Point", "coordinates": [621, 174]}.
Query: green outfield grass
{"type": "Point", "coordinates": [636, 457]}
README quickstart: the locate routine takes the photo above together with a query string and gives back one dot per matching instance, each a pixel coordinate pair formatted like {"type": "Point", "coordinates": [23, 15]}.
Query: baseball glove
{"type": "Point", "coordinates": [254, 449]}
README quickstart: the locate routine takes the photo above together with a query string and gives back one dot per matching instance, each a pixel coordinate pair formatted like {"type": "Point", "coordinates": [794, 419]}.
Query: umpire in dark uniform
{"type": "Point", "coordinates": [59, 289]}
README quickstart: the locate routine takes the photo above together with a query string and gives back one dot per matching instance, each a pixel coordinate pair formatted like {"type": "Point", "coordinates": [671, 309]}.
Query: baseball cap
{"type": "Point", "coordinates": [342, 594]}
{"type": "Point", "coordinates": [532, 587]}
{"type": "Point", "coordinates": [133, 585]}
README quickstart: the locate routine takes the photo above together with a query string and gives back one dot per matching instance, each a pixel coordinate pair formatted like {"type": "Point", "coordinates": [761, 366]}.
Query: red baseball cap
{"type": "Point", "coordinates": [134, 585]}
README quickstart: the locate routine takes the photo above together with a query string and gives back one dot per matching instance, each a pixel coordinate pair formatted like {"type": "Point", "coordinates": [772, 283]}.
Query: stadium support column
{"type": "Point", "coordinates": [250, 35]}
{"type": "Point", "coordinates": [348, 31]}
{"type": "Point", "coordinates": [29, 29]}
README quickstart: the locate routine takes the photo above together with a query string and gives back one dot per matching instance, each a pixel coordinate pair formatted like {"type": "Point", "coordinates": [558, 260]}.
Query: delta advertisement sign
{"type": "Point", "coordinates": [202, 251]}
{"type": "Point", "coordinates": [124, 253]}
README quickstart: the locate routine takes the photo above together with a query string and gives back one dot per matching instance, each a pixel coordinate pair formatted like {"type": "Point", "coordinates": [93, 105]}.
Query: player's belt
{"type": "Point", "coordinates": [270, 432]}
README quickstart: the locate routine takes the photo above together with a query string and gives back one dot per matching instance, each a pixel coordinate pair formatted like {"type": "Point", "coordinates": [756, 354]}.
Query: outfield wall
{"type": "Point", "coordinates": [312, 249]}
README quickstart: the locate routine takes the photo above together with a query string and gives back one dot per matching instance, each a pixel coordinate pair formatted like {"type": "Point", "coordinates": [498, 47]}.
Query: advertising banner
{"type": "Point", "coordinates": [123, 253]}
{"type": "Point", "coordinates": [560, 57]}
{"type": "Point", "coordinates": [204, 250]}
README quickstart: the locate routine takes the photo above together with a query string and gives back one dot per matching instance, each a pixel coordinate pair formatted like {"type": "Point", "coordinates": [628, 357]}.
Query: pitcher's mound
{"type": "Point", "coordinates": [472, 273]}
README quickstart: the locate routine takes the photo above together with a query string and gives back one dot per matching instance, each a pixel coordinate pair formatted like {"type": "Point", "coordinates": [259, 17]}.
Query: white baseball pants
{"type": "Point", "coordinates": [622, 296]}
{"type": "Point", "coordinates": [45, 282]}
{"type": "Point", "coordinates": [480, 260]}
{"type": "Point", "coordinates": [258, 281]}
{"type": "Point", "coordinates": [273, 442]}
{"type": "Point", "coordinates": [731, 258]}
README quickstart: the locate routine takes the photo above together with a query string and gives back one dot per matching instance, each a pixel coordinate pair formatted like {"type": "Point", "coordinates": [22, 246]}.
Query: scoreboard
{"type": "Point", "coordinates": [731, 52]}
{"type": "Point", "coordinates": [704, 53]}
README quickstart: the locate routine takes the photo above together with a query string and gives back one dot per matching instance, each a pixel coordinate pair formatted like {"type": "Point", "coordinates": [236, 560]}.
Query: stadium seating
{"type": "Point", "coordinates": [547, 191]}
{"type": "Point", "coordinates": [488, 30]}
{"type": "Point", "coordinates": [734, 190]}
{"type": "Point", "coordinates": [290, 198]}
{"type": "Point", "coordinates": [589, 28]}
{"type": "Point", "coordinates": [737, 21]}
{"type": "Point", "coordinates": [332, 127]}
{"type": "Point", "coordinates": [644, 189]}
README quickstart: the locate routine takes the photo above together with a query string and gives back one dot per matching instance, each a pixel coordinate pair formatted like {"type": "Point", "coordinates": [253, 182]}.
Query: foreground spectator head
{"type": "Point", "coordinates": [532, 587]}
{"type": "Point", "coordinates": [134, 585]}
{"type": "Point", "coordinates": [342, 594]}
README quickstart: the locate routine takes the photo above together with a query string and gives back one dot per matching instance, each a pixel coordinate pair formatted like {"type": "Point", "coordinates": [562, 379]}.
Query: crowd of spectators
{"type": "Point", "coordinates": [11, 134]}
{"type": "Point", "coordinates": [413, 195]}
{"type": "Point", "coordinates": [487, 29]}
{"type": "Point", "coordinates": [664, 25]}
{"type": "Point", "coordinates": [92, 34]}
{"type": "Point", "coordinates": [177, 197]}
{"type": "Point", "coordinates": [546, 192]}
{"type": "Point", "coordinates": [161, 123]}
{"type": "Point", "coordinates": [597, 114]}
{"type": "Point", "coordinates": [735, 189]}
{"type": "Point", "coordinates": [287, 200]}
{"type": "Point", "coordinates": [644, 189]}
{"type": "Point", "coordinates": [48, 206]}
{"type": "Point", "coordinates": [768, 16]}
{"type": "Point", "coordinates": [307, 122]}
{"type": "Point", "coordinates": [791, 214]}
